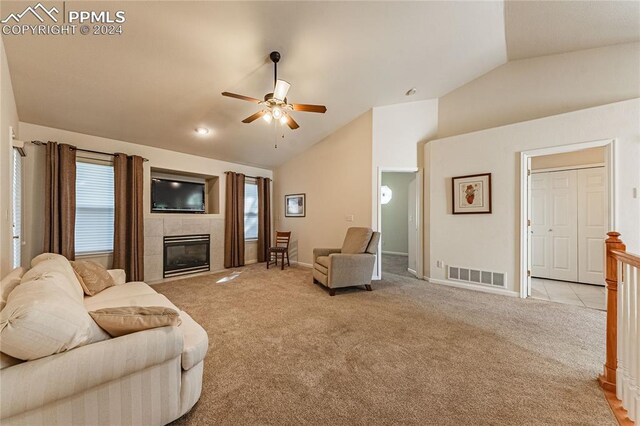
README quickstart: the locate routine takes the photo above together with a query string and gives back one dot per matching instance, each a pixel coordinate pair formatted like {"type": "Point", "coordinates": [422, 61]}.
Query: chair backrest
{"type": "Point", "coordinates": [372, 248]}
{"type": "Point", "coordinates": [357, 240]}
{"type": "Point", "coordinates": [282, 239]}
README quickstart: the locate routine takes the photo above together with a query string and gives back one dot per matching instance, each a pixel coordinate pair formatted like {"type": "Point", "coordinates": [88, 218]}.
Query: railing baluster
{"type": "Point", "coordinates": [622, 367]}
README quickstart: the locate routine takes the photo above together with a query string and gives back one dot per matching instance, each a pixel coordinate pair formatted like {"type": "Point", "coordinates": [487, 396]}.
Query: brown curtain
{"type": "Point", "coordinates": [264, 218]}
{"type": "Point", "coordinates": [234, 221]}
{"type": "Point", "coordinates": [60, 201]}
{"type": "Point", "coordinates": [128, 236]}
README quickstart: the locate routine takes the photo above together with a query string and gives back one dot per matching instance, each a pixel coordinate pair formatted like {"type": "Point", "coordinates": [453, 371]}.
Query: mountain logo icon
{"type": "Point", "coordinates": [34, 11]}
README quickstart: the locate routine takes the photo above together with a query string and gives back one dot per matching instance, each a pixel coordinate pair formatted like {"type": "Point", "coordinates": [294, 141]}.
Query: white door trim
{"type": "Point", "coordinates": [377, 274]}
{"type": "Point", "coordinates": [610, 164]}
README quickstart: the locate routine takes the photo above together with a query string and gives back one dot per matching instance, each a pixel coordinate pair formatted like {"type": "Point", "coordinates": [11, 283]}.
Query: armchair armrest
{"type": "Point", "coordinates": [350, 269]}
{"type": "Point", "coordinates": [118, 275]}
{"type": "Point", "coordinates": [317, 252]}
{"type": "Point", "coordinates": [68, 373]}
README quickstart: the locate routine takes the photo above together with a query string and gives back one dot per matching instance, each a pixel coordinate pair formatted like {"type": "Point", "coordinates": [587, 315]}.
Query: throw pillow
{"type": "Point", "coordinates": [9, 283]}
{"type": "Point", "coordinates": [93, 277]}
{"type": "Point", "coordinates": [60, 265]}
{"type": "Point", "coordinates": [130, 319]}
{"type": "Point", "coordinates": [41, 319]}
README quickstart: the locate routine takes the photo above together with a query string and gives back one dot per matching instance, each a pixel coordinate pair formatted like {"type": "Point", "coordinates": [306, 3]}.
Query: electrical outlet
{"type": "Point", "coordinates": [439, 264]}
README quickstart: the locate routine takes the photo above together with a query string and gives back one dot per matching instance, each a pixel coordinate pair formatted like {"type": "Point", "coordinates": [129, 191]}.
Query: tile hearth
{"type": "Point", "coordinates": [155, 228]}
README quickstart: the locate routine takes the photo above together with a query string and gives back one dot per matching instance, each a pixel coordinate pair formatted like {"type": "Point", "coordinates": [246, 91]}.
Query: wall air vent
{"type": "Point", "coordinates": [477, 276]}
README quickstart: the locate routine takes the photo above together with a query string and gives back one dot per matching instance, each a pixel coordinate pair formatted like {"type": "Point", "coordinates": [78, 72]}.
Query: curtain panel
{"type": "Point", "coordinates": [234, 220]}
{"type": "Point", "coordinates": [128, 235]}
{"type": "Point", "coordinates": [264, 218]}
{"type": "Point", "coordinates": [60, 200]}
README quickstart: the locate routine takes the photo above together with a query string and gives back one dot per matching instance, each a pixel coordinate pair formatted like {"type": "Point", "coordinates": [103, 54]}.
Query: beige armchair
{"type": "Point", "coordinates": [350, 265]}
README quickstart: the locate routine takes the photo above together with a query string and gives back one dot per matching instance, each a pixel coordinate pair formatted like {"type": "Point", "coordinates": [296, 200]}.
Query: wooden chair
{"type": "Point", "coordinates": [281, 248]}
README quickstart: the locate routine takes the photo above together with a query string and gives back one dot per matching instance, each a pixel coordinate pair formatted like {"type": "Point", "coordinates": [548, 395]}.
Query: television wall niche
{"type": "Point", "coordinates": [185, 183]}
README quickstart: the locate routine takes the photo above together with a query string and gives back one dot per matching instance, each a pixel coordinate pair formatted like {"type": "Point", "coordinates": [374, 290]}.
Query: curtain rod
{"type": "Point", "coordinates": [252, 177]}
{"type": "Point", "coordinates": [40, 143]}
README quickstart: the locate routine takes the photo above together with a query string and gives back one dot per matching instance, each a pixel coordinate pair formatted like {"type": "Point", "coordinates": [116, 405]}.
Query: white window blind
{"type": "Point", "coordinates": [94, 207]}
{"type": "Point", "coordinates": [16, 213]}
{"type": "Point", "coordinates": [250, 211]}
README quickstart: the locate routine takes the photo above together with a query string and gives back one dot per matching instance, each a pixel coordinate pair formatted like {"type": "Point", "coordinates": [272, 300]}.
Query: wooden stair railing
{"type": "Point", "coordinates": [621, 375]}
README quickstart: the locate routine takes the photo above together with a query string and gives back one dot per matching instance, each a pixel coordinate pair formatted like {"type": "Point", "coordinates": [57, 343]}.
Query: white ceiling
{"type": "Point", "coordinates": [163, 77]}
{"type": "Point", "coordinates": [536, 28]}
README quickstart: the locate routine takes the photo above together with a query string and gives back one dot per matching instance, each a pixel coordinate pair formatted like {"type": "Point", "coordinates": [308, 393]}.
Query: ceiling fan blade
{"type": "Point", "coordinates": [309, 108]}
{"type": "Point", "coordinates": [292, 123]}
{"type": "Point", "coordinates": [241, 97]}
{"type": "Point", "coordinates": [280, 92]}
{"type": "Point", "coordinates": [253, 117]}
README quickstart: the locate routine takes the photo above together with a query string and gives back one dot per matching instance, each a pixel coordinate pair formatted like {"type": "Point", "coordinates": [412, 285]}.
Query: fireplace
{"type": "Point", "coordinates": [186, 254]}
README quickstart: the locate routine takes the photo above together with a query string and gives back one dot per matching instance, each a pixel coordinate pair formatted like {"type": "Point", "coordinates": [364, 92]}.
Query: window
{"type": "Point", "coordinates": [94, 207]}
{"type": "Point", "coordinates": [250, 211]}
{"type": "Point", "coordinates": [16, 210]}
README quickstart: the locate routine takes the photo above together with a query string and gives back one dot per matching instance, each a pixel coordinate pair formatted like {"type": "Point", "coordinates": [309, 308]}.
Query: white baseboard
{"type": "Point", "coordinates": [500, 291]}
{"type": "Point", "coordinates": [412, 272]}
{"type": "Point", "coordinates": [250, 262]}
{"type": "Point", "coordinates": [397, 253]}
{"type": "Point", "coordinates": [305, 265]}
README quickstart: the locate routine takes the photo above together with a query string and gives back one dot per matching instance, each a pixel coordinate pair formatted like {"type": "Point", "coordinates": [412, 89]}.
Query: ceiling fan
{"type": "Point", "coordinates": [275, 104]}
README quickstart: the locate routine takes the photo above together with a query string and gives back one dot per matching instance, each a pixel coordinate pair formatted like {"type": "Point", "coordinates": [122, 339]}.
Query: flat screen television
{"type": "Point", "coordinates": [174, 196]}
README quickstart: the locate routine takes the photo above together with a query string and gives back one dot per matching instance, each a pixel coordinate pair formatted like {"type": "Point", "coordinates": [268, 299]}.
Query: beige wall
{"type": "Point", "coordinates": [8, 118]}
{"type": "Point", "coordinates": [491, 241]}
{"type": "Point", "coordinates": [569, 159]}
{"type": "Point", "coordinates": [158, 158]}
{"type": "Point", "coordinates": [539, 87]}
{"type": "Point", "coordinates": [335, 174]}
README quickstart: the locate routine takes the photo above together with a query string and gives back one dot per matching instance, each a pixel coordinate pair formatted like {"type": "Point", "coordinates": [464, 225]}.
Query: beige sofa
{"type": "Point", "coordinates": [150, 377]}
{"type": "Point", "coordinates": [351, 265]}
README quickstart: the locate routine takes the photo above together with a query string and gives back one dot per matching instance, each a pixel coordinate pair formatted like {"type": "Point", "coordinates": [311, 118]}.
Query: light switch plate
{"type": "Point", "coordinates": [350, 218]}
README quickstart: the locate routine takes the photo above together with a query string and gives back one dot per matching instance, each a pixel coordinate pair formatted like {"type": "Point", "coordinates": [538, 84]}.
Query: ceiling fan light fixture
{"type": "Point", "coordinates": [281, 89]}
{"type": "Point", "coordinates": [267, 117]}
{"type": "Point", "coordinates": [284, 119]}
{"type": "Point", "coordinates": [202, 131]}
{"type": "Point", "coordinates": [276, 112]}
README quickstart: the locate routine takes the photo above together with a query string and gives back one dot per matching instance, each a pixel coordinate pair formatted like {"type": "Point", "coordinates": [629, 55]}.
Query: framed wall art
{"type": "Point", "coordinates": [294, 205]}
{"type": "Point", "coordinates": [471, 194]}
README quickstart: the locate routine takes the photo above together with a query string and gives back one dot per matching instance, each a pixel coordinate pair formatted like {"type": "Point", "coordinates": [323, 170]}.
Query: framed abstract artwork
{"type": "Point", "coordinates": [294, 205]}
{"type": "Point", "coordinates": [471, 194]}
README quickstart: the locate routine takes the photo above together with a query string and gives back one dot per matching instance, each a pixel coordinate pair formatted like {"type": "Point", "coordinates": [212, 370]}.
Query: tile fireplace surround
{"type": "Point", "coordinates": [155, 228]}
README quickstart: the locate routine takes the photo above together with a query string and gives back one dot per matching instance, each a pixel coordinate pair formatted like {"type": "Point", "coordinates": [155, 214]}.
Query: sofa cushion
{"type": "Point", "coordinates": [61, 265]}
{"type": "Point", "coordinates": [41, 319]}
{"type": "Point", "coordinates": [93, 277]}
{"type": "Point", "coordinates": [118, 292]}
{"type": "Point", "coordinates": [8, 361]}
{"type": "Point", "coordinates": [131, 319]}
{"type": "Point", "coordinates": [196, 341]}
{"type": "Point", "coordinates": [127, 298]}
{"type": "Point", "coordinates": [8, 283]}
{"type": "Point", "coordinates": [356, 240]}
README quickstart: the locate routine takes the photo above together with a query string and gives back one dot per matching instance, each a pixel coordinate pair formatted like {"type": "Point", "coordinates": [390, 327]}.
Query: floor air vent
{"type": "Point", "coordinates": [475, 276]}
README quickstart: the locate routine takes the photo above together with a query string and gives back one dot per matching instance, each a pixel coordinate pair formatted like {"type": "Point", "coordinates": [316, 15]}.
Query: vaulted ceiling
{"type": "Point", "coordinates": [163, 76]}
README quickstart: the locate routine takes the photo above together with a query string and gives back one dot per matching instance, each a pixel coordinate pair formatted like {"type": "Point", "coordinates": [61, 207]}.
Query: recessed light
{"type": "Point", "coordinates": [411, 92]}
{"type": "Point", "coordinates": [202, 130]}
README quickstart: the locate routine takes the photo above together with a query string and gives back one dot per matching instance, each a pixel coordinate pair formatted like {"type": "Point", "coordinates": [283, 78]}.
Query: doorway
{"type": "Point", "coordinates": [399, 223]}
{"type": "Point", "coordinates": [568, 213]}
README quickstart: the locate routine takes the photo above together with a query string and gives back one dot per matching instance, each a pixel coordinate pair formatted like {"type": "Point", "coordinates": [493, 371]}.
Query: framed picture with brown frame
{"type": "Point", "coordinates": [295, 205]}
{"type": "Point", "coordinates": [471, 194]}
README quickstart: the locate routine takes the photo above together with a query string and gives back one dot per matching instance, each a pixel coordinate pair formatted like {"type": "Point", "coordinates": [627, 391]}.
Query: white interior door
{"type": "Point", "coordinates": [412, 224]}
{"type": "Point", "coordinates": [539, 251]}
{"type": "Point", "coordinates": [592, 224]}
{"type": "Point", "coordinates": [554, 228]}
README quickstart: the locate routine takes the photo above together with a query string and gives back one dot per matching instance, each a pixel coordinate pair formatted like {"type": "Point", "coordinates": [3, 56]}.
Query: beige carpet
{"type": "Point", "coordinates": [283, 352]}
